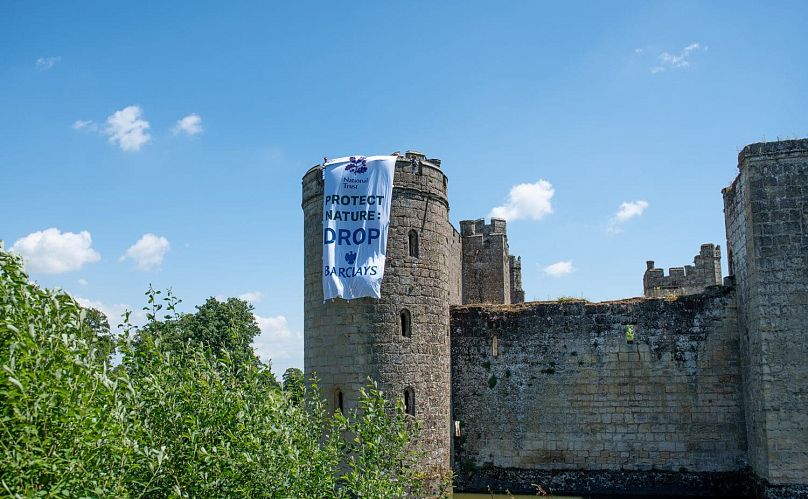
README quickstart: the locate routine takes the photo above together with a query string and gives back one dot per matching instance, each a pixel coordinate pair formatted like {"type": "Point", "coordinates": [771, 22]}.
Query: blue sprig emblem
{"type": "Point", "coordinates": [357, 165]}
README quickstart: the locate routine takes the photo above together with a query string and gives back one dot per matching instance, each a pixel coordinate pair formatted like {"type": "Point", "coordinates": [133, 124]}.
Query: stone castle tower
{"type": "Point", "coordinates": [402, 339]}
{"type": "Point", "coordinates": [489, 273]}
{"type": "Point", "coordinates": [687, 280]}
{"type": "Point", "coordinates": [766, 213]}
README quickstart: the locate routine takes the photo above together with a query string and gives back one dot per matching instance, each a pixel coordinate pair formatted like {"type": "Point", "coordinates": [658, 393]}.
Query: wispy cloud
{"type": "Point", "coordinates": [530, 201]}
{"type": "Point", "coordinates": [85, 125]}
{"type": "Point", "coordinates": [189, 125]}
{"type": "Point", "coordinates": [559, 269]}
{"type": "Point", "coordinates": [127, 129]}
{"type": "Point", "coordinates": [51, 251]}
{"type": "Point", "coordinates": [147, 252]}
{"type": "Point", "coordinates": [277, 342]}
{"type": "Point", "coordinates": [252, 296]}
{"type": "Point", "coordinates": [626, 211]}
{"type": "Point", "coordinates": [45, 63]}
{"type": "Point", "coordinates": [668, 61]}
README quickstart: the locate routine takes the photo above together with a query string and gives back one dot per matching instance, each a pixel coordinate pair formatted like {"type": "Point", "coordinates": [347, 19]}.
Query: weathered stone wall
{"type": "Point", "coordinates": [486, 273]}
{"type": "Point", "coordinates": [687, 280]}
{"type": "Point", "coordinates": [556, 388]}
{"type": "Point", "coordinates": [515, 267]}
{"type": "Point", "coordinates": [766, 211]}
{"type": "Point", "coordinates": [347, 342]}
{"type": "Point", "coordinates": [455, 263]}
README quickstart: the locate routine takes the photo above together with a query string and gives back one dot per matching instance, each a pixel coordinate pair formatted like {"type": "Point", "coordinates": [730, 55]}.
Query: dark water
{"type": "Point", "coordinates": [503, 496]}
{"type": "Point", "coordinates": [458, 495]}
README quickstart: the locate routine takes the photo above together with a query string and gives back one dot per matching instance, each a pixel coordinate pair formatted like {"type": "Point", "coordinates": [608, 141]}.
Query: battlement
{"type": "Point", "coordinates": [797, 147]}
{"type": "Point", "coordinates": [498, 226]}
{"type": "Point", "coordinates": [418, 158]}
{"type": "Point", "coordinates": [687, 280]}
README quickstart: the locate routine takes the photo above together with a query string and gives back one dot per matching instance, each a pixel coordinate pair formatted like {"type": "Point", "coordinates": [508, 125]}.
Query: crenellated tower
{"type": "Point", "coordinates": [402, 339]}
{"type": "Point", "coordinates": [489, 273]}
{"type": "Point", "coordinates": [687, 280]}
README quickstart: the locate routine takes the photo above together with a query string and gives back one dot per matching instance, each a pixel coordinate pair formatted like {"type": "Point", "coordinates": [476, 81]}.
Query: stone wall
{"type": "Point", "coordinates": [455, 264]}
{"type": "Point", "coordinates": [766, 211]}
{"type": "Point", "coordinates": [553, 391]}
{"type": "Point", "coordinates": [687, 280]}
{"type": "Point", "coordinates": [515, 267]}
{"type": "Point", "coordinates": [486, 273]}
{"type": "Point", "coordinates": [345, 343]}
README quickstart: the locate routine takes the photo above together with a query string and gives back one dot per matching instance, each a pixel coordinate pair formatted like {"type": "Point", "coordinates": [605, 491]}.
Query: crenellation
{"type": "Point", "coordinates": [687, 280]}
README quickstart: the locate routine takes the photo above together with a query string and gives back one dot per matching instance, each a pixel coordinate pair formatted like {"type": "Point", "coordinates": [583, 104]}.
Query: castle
{"type": "Point", "coordinates": [700, 387]}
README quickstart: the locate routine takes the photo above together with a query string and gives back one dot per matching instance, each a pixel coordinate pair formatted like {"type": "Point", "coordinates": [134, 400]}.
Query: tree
{"type": "Point", "coordinates": [179, 423]}
{"type": "Point", "coordinates": [98, 331]}
{"type": "Point", "coordinates": [293, 383]}
{"type": "Point", "coordinates": [222, 328]}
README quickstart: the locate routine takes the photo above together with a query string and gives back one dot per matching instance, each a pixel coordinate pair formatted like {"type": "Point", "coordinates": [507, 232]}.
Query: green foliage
{"type": "Point", "coordinates": [185, 413]}
{"type": "Point", "coordinates": [492, 382]}
{"type": "Point", "coordinates": [219, 328]}
{"type": "Point", "coordinates": [570, 299]}
{"type": "Point", "coordinates": [293, 383]}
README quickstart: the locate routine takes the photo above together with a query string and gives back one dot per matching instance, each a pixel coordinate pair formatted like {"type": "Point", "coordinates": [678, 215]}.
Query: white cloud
{"type": "Point", "coordinates": [84, 125]}
{"type": "Point", "coordinates": [627, 211]}
{"type": "Point", "coordinates": [531, 201]}
{"type": "Point", "coordinates": [127, 129]}
{"type": "Point", "coordinates": [148, 252]}
{"type": "Point", "coordinates": [278, 343]}
{"type": "Point", "coordinates": [83, 282]}
{"type": "Point", "coordinates": [252, 296]}
{"type": "Point", "coordinates": [45, 63]}
{"type": "Point", "coordinates": [559, 269]}
{"type": "Point", "coordinates": [52, 252]}
{"type": "Point", "coordinates": [630, 209]}
{"type": "Point", "coordinates": [189, 125]}
{"type": "Point", "coordinates": [676, 61]}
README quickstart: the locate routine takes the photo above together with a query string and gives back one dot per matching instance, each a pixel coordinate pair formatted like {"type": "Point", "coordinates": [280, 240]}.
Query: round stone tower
{"type": "Point", "coordinates": [402, 339]}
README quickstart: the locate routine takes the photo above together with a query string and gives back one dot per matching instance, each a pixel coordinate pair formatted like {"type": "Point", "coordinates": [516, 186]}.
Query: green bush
{"type": "Point", "coordinates": [177, 416]}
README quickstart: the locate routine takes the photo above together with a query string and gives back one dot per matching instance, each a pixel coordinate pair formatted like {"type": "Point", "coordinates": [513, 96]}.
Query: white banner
{"type": "Point", "coordinates": [356, 215]}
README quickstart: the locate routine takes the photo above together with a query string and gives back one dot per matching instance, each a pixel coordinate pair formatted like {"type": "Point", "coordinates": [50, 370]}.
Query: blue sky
{"type": "Point", "coordinates": [165, 144]}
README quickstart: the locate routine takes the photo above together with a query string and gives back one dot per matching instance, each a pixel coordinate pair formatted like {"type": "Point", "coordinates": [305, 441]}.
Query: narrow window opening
{"type": "Point", "coordinates": [406, 323]}
{"type": "Point", "coordinates": [338, 402]}
{"type": "Point", "coordinates": [409, 401]}
{"type": "Point", "coordinates": [412, 237]}
{"type": "Point", "coordinates": [494, 347]}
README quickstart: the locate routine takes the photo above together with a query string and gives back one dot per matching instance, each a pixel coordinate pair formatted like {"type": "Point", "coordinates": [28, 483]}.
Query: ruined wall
{"type": "Point", "coordinates": [486, 273]}
{"type": "Point", "coordinates": [766, 212]}
{"type": "Point", "coordinates": [347, 342]}
{"type": "Point", "coordinates": [687, 280]}
{"type": "Point", "coordinates": [555, 387]}
{"type": "Point", "coordinates": [515, 268]}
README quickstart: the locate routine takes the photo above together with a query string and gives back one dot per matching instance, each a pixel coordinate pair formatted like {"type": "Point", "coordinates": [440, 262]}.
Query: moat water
{"type": "Point", "coordinates": [503, 496]}
{"type": "Point", "coordinates": [458, 495]}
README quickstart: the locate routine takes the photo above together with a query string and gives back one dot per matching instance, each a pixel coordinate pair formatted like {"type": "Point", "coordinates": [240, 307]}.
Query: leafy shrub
{"type": "Point", "coordinates": [178, 416]}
